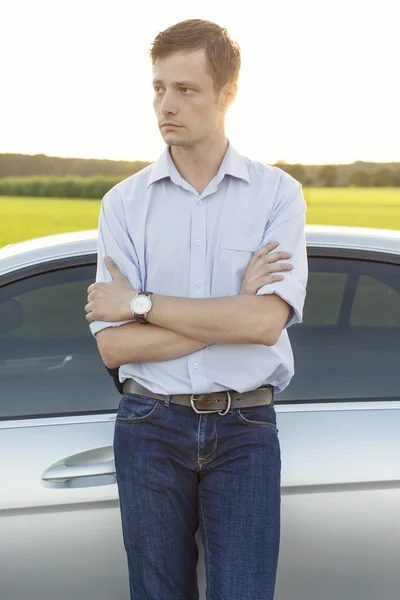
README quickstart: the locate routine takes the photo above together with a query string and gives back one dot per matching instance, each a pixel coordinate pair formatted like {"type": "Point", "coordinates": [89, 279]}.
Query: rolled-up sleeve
{"type": "Point", "coordinates": [287, 226]}
{"type": "Point", "coordinates": [114, 241]}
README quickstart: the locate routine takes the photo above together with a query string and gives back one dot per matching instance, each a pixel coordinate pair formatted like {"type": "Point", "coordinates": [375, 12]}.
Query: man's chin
{"type": "Point", "coordinates": [175, 140]}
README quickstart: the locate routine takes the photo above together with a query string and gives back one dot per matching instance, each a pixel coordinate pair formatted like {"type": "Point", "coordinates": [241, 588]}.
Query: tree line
{"type": "Point", "coordinates": [42, 175]}
{"type": "Point", "coordinates": [358, 174]}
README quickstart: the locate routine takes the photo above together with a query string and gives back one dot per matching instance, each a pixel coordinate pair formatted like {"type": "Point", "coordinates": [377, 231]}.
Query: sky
{"type": "Point", "coordinates": [319, 81]}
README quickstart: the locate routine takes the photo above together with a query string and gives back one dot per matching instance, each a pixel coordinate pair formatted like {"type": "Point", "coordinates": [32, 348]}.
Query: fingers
{"type": "Point", "coordinates": [268, 279]}
{"type": "Point", "coordinates": [265, 254]}
{"type": "Point", "coordinates": [269, 274]}
{"type": "Point", "coordinates": [268, 268]}
{"type": "Point", "coordinates": [262, 251]}
{"type": "Point", "coordinates": [252, 287]}
{"type": "Point", "coordinates": [264, 268]}
{"type": "Point", "coordinates": [267, 248]}
{"type": "Point", "coordinates": [266, 273]}
{"type": "Point", "coordinates": [275, 256]}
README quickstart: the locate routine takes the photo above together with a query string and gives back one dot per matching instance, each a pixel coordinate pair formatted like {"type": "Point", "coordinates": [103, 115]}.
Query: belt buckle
{"type": "Point", "coordinates": [220, 412]}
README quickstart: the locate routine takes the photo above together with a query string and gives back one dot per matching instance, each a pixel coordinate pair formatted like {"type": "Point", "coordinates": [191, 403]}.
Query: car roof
{"type": "Point", "coordinates": [48, 248]}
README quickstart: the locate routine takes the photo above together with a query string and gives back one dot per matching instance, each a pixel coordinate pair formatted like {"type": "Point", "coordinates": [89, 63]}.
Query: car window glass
{"type": "Point", "coordinates": [324, 298]}
{"type": "Point", "coordinates": [49, 361]}
{"type": "Point", "coordinates": [375, 303]}
{"type": "Point", "coordinates": [348, 345]}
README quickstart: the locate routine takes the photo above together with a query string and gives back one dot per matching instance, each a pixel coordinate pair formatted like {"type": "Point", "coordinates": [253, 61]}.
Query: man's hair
{"type": "Point", "coordinates": [223, 55]}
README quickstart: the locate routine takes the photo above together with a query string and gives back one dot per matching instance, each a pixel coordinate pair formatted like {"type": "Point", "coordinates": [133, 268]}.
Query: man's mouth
{"type": "Point", "coordinates": [167, 125]}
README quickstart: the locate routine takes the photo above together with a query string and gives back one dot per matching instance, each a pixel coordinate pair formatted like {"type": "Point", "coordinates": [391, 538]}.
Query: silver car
{"type": "Point", "coordinates": [339, 427]}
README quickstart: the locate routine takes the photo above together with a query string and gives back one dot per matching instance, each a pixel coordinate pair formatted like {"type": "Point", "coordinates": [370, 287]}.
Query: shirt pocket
{"type": "Point", "coordinates": [235, 255]}
{"type": "Point", "coordinates": [249, 244]}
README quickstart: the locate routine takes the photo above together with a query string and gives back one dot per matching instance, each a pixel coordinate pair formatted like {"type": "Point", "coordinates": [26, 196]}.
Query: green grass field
{"type": "Point", "coordinates": [25, 218]}
{"type": "Point", "coordinates": [355, 207]}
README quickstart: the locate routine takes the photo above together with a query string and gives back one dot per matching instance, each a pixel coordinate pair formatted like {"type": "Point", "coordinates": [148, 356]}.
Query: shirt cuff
{"type": "Point", "coordinates": [96, 326]}
{"type": "Point", "coordinates": [292, 292]}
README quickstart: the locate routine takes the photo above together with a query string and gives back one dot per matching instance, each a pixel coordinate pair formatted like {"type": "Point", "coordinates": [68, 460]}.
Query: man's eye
{"type": "Point", "coordinates": [186, 90]}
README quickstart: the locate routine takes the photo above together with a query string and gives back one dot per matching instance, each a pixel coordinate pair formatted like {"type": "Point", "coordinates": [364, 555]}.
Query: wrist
{"type": "Point", "coordinates": [127, 313]}
{"type": "Point", "coordinates": [150, 314]}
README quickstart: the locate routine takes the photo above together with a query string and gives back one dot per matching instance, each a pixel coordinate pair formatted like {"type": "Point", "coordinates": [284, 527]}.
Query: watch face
{"type": "Point", "coordinates": [141, 305]}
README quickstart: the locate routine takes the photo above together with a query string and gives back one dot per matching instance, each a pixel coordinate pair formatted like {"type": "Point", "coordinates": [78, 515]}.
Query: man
{"type": "Point", "coordinates": [203, 349]}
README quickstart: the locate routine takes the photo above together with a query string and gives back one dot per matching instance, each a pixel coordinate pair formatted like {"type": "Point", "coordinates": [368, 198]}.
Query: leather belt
{"type": "Point", "coordinates": [221, 402]}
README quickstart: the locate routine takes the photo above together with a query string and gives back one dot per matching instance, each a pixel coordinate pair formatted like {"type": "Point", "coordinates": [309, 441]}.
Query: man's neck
{"type": "Point", "coordinates": [199, 165]}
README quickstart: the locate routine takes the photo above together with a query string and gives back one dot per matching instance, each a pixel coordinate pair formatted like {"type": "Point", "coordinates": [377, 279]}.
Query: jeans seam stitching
{"type": "Point", "coordinates": [152, 413]}
{"type": "Point", "coordinates": [208, 553]}
{"type": "Point", "coordinates": [198, 438]}
{"type": "Point", "coordinates": [255, 423]}
{"type": "Point", "coordinates": [202, 458]}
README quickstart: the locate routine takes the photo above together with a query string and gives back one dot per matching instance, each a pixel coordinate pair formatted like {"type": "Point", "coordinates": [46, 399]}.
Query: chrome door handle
{"type": "Point", "coordinates": [63, 472]}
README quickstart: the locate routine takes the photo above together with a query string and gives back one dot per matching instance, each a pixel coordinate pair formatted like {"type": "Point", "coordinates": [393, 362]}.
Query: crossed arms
{"type": "Point", "coordinates": [194, 324]}
{"type": "Point", "coordinates": [180, 326]}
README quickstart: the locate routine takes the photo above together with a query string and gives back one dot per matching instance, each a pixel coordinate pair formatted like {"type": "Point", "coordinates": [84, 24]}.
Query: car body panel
{"type": "Point", "coordinates": [60, 539]}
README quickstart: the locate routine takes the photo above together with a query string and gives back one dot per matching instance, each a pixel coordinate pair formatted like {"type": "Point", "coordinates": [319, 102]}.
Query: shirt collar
{"type": "Point", "coordinates": [233, 164]}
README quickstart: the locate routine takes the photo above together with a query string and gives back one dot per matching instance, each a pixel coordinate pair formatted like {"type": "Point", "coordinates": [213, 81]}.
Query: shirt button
{"type": "Point", "coordinates": [198, 243]}
{"type": "Point", "coordinates": [196, 365]}
{"type": "Point", "coordinates": [197, 284]}
{"type": "Point", "coordinates": [199, 201]}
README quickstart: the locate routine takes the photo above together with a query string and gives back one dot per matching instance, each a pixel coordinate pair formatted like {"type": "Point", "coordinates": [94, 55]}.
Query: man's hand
{"type": "Point", "coordinates": [261, 269]}
{"type": "Point", "coordinates": [110, 301]}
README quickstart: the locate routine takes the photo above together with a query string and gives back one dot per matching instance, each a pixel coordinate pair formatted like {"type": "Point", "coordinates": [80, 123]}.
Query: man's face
{"type": "Point", "coordinates": [185, 96]}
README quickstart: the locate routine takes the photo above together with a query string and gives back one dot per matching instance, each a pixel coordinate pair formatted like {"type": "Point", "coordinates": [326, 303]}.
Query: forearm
{"type": "Point", "coordinates": [135, 342]}
{"type": "Point", "coordinates": [237, 319]}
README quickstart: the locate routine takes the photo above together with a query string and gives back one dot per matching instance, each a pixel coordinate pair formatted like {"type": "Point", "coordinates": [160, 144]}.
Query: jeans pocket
{"type": "Point", "coordinates": [258, 416]}
{"type": "Point", "coordinates": [136, 409]}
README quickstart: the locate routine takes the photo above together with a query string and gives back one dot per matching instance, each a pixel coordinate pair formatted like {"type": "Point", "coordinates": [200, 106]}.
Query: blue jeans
{"type": "Point", "coordinates": [177, 470]}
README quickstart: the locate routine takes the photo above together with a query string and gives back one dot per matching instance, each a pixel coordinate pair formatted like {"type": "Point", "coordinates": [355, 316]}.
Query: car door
{"type": "Point", "coordinates": [60, 528]}
{"type": "Point", "coordinates": [339, 424]}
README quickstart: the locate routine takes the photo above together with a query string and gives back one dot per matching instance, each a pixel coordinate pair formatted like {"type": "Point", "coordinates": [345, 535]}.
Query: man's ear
{"type": "Point", "coordinates": [229, 93]}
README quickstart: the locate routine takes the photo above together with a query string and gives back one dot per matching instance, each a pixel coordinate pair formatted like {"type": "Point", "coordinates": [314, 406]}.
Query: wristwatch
{"type": "Point", "coordinates": [140, 306]}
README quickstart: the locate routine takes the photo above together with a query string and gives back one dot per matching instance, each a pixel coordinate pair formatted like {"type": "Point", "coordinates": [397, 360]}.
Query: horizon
{"type": "Point", "coordinates": [143, 160]}
{"type": "Point", "coordinates": [320, 92]}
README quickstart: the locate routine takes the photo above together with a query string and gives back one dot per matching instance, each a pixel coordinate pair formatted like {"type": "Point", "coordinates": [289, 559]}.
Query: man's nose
{"type": "Point", "coordinates": [168, 105]}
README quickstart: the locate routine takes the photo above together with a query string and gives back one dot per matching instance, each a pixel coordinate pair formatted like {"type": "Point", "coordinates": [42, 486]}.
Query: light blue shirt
{"type": "Point", "coordinates": [168, 239]}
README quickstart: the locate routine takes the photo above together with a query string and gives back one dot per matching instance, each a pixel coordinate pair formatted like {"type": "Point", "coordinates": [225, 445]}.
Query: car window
{"type": "Point", "coordinates": [348, 345]}
{"type": "Point", "coordinates": [49, 361]}
{"type": "Point", "coordinates": [324, 298]}
{"type": "Point", "coordinates": [375, 304]}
